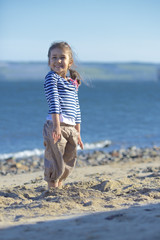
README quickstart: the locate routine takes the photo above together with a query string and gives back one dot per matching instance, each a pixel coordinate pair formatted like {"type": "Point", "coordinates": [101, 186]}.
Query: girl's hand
{"type": "Point", "coordinates": [80, 143]}
{"type": "Point", "coordinates": [56, 134]}
{"type": "Point", "coordinates": [57, 129]}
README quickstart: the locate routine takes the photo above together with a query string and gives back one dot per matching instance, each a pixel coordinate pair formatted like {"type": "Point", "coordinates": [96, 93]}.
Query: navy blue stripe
{"type": "Point", "coordinates": [62, 96]}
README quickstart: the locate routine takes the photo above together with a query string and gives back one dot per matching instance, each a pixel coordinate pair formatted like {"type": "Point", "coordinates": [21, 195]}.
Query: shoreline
{"type": "Point", "coordinates": [12, 165]}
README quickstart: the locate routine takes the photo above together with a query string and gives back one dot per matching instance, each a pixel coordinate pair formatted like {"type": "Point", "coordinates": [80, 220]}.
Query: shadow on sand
{"type": "Point", "coordinates": [137, 223]}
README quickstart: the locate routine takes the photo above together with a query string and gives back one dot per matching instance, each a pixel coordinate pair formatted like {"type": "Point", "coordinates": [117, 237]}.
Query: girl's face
{"type": "Point", "coordinates": [59, 61]}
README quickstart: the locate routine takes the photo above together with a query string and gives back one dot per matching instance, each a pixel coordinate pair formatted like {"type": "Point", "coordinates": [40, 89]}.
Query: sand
{"type": "Point", "coordinates": [119, 200]}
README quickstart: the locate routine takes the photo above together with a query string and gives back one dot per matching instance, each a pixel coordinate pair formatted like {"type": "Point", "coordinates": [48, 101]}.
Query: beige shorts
{"type": "Point", "coordinates": [60, 157]}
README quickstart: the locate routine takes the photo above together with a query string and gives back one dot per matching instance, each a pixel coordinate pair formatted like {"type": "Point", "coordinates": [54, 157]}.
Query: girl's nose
{"type": "Point", "coordinates": [59, 60]}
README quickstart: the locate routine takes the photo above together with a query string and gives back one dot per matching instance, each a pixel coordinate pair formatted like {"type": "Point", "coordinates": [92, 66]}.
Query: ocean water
{"type": "Point", "coordinates": [121, 113]}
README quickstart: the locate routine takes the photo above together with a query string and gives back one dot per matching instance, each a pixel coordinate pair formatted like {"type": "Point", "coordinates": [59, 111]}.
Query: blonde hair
{"type": "Point", "coordinates": [64, 45]}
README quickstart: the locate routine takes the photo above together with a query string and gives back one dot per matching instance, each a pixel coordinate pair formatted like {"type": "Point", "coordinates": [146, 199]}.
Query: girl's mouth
{"type": "Point", "coordinates": [58, 66]}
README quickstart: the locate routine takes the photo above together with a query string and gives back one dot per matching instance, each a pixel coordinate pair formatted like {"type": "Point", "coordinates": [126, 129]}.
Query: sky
{"type": "Point", "coordinates": [97, 30]}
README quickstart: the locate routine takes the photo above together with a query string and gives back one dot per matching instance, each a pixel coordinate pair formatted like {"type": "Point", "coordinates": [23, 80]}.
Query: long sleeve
{"type": "Point", "coordinates": [52, 95]}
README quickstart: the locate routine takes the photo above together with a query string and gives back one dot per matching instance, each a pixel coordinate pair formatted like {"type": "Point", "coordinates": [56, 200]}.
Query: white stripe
{"type": "Point", "coordinates": [62, 97]}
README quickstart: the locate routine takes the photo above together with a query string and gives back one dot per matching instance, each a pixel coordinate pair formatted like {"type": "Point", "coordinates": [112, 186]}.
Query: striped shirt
{"type": "Point", "coordinates": [62, 96]}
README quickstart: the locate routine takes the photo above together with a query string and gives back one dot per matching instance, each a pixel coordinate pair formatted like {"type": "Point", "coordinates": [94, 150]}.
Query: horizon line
{"type": "Point", "coordinates": [83, 62]}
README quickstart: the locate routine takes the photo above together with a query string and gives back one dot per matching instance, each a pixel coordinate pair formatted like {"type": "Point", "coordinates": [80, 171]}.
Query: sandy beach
{"type": "Point", "coordinates": [119, 199]}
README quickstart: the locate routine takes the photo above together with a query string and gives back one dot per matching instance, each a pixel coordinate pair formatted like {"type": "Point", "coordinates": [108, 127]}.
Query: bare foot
{"type": "Point", "coordinates": [60, 184]}
{"type": "Point", "coordinates": [52, 185]}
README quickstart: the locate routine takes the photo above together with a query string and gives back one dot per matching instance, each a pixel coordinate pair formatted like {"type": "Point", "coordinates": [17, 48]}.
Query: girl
{"type": "Point", "coordinates": [62, 129]}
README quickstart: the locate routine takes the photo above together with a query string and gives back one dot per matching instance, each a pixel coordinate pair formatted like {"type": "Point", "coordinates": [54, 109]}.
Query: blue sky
{"type": "Point", "coordinates": [97, 30]}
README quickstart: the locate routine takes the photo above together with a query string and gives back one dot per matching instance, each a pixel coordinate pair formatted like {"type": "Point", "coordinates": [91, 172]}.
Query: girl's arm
{"type": "Point", "coordinates": [78, 128]}
{"type": "Point", "coordinates": [57, 128]}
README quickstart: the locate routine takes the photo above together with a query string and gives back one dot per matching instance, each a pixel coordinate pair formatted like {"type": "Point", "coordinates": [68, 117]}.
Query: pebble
{"type": "Point", "coordinates": [36, 163]}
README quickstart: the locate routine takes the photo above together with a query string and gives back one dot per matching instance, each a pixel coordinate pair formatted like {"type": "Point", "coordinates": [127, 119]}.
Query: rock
{"type": "Point", "coordinates": [153, 153]}
{"type": "Point", "coordinates": [20, 166]}
{"type": "Point", "coordinates": [3, 173]}
{"type": "Point", "coordinates": [10, 161]}
{"type": "Point", "coordinates": [104, 161]}
{"type": "Point", "coordinates": [115, 154]}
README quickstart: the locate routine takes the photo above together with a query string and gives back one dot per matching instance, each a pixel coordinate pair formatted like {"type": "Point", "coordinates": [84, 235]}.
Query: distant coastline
{"type": "Point", "coordinates": [122, 71]}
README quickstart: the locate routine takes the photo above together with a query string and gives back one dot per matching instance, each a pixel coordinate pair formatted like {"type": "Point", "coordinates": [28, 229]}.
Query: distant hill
{"type": "Point", "coordinates": [17, 71]}
{"type": "Point", "coordinates": [23, 70]}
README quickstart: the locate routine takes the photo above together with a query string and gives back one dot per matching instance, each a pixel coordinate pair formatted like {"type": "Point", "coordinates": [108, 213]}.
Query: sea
{"type": "Point", "coordinates": [115, 114]}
